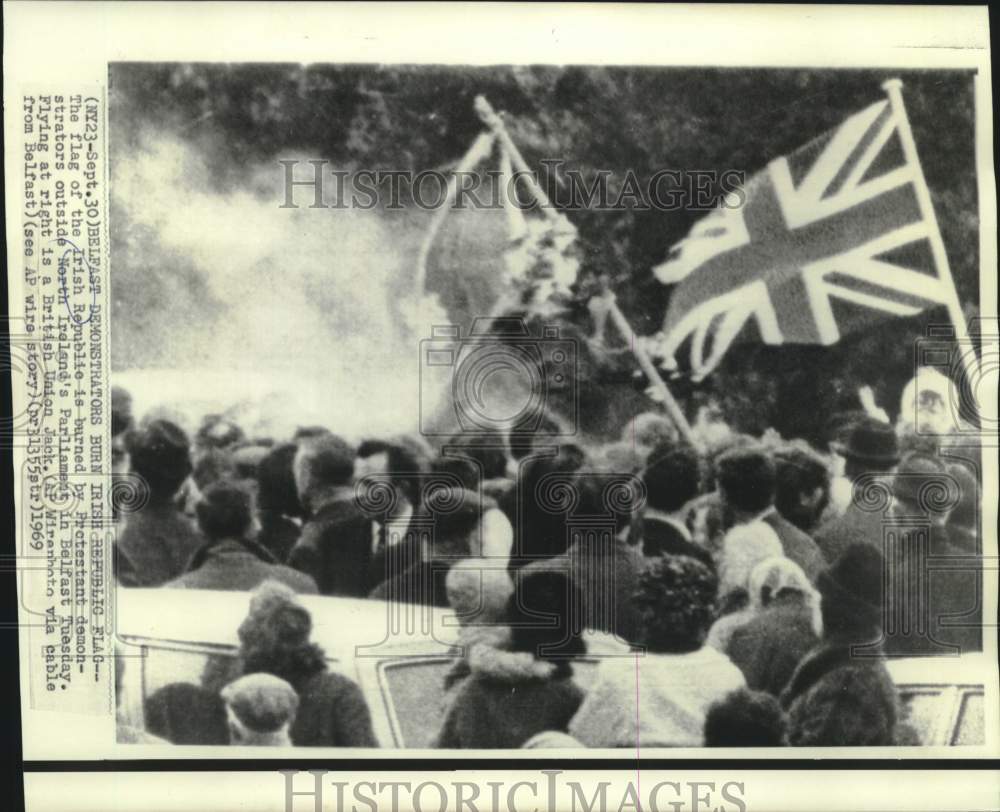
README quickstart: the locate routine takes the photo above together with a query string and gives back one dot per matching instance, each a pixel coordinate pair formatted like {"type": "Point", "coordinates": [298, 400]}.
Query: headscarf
{"type": "Point", "coordinates": [771, 576]}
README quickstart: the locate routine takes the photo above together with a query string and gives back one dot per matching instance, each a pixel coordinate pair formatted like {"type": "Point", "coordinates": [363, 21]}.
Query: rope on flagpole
{"type": "Point", "coordinates": [495, 123]}
{"type": "Point", "coordinates": [894, 89]}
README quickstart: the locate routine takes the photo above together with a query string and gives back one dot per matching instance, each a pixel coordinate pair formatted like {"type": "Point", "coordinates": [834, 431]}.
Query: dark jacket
{"type": "Point", "coordinates": [508, 698]}
{"type": "Point", "coordinates": [232, 566]}
{"type": "Point", "coordinates": [422, 583]}
{"type": "Point", "coordinates": [768, 647]}
{"type": "Point", "coordinates": [335, 547]}
{"type": "Point", "coordinates": [278, 534]}
{"type": "Point", "coordinates": [155, 546]}
{"type": "Point", "coordinates": [935, 594]}
{"type": "Point", "coordinates": [183, 713]}
{"type": "Point", "coordinates": [798, 546]}
{"type": "Point", "coordinates": [332, 713]}
{"type": "Point", "coordinates": [853, 526]}
{"type": "Point", "coordinates": [836, 699]}
{"type": "Point", "coordinates": [660, 537]}
{"type": "Point", "coordinates": [594, 566]}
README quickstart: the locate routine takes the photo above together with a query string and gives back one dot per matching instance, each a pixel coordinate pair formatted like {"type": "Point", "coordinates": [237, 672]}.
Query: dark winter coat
{"type": "Point", "coordinates": [155, 546]}
{"type": "Point", "coordinates": [508, 698]}
{"type": "Point", "coordinates": [332, 713]}
{"type": "Point", "coordinates": [769, 646]}
{"type": "Point", "coordinates": [184, 713]}
{"type": "Point", "coordinates": [335, 547]}
{"type": "Point", "coordinates": [798, 546]}
{"type": "Point", "coordinates": [853, 526]}
{"type": "Point", "coordinates": [232, 566]}
{"type": "Point", "coordinates": [278, 534]}
{"type": "Point", "coordinates": [836, 699]}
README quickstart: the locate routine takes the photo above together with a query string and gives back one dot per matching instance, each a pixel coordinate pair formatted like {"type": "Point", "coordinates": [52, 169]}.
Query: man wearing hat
{"type": "Point", "coordinates": [936, 608]}
{"type": "Point", "coordinates": [260, 709]}
{"type": "Point", "coordinates": [871, 451]}
{"type": "Point", "coordinates": [841, 693]}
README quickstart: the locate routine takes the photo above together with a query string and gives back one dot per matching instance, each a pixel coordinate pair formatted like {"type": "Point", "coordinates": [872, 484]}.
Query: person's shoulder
{"type": "Point", "coordinates": [299, 581]}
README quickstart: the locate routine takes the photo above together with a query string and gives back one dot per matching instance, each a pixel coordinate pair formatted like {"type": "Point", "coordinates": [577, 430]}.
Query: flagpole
{"type": "Point", "coordinates": [894, 89]}
{"type": "Point", "coordinates": [652, 373]}
{"type": "Point", "coordinates": [490, 118]}
{"type": "Point", "coordinates": [495, 123]}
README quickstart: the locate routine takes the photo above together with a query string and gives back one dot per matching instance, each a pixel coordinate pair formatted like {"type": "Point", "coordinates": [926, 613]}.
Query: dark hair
{"type": "Point", "coordinates": [544, 613]}
{"type": "Point", "coordinates": [799, 472]}
{"type": "Point", "coordinates": [225, 510]}
{"type": "Point", "coordinates": [747, 478]}
{"type": "Point", "coordinates": [486, 450]}
{"type": "Point", "coordinates": [329, 460]}
{"type": "Point", "coordinates": [464, 470]}
{"type": "Point", "coordinates": [672, 477]}
{"type": "Point", "coordinates": [402, 464]}
{"type": "Point", "coordinates": [276, 482]}
{"type": "Point", "coordinates": [452, 526]}
{"type": "Point", "coordinates": [521, 443]}
{"type": "Point", "coordinates": [213, 464]}
{"type": "Point", "coordinates": [541, 528]}
{"type": "Point", "coordinates": [121, 411]}
{"type": "Point", "coordinates": [159, 453]}
{"type": "Point", "coordinates": [674, 598]}
{"type": "Point", "coordinates": [745, 718]}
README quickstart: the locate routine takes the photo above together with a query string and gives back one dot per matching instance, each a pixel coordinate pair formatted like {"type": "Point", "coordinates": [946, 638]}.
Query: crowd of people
{"type": "Point", "coordinates": [762, 583]}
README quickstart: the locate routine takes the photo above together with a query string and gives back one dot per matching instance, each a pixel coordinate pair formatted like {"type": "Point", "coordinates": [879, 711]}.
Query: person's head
{"type": "Point", "coordinates": [158, 452]}
{"type": "Point", "coordinates": [745, 718]}
{"type": "Point", "coordinates": [650, 430]}
{"type": "Point", "coordinates": [321, 464]}
{"type": "Point", "coordinates": [922, 486]}
{"type": "Point", "coordinates": [276, 491]}
{"type": "Point", "coordinates": [122, 418]}
{"type": "Point", "coordinates": [872, 447]}
{"type": "Point", "coordinates": [225, 511]}
{"type": "Point", "coordinates": [675, 600]}
{"type": "Point", "coordinates": [543, 522]}
{"type": "Point", "coordinates": [779, 578]}
{"type": "Point", "coordinates": [213, 465]}
{"type": "Point", "coordinates": [477, 591]}
{"type": "Point", "coordinates": [672, 477]}
{"type": "Point", "coordinates": [274, 636]}
{"type": "Point", "coordinates": [487, 453]}
{"type": "Point", "coordinates": [544, 616]}
{"type": "Point", "coordinates": [802, 481]}
{"type": "Point", "coordinates": [458, 516]}
{"type": "Point", "coordinates": [461, 468]}
{"type": "Point", "coordinates": [746, 480]}
{"type": "Point", "coordinates": [402, 459]}
{"type": "Point", "coordinates": [852, 594]}
{"type": "Point", "coordinates": [260, 709]}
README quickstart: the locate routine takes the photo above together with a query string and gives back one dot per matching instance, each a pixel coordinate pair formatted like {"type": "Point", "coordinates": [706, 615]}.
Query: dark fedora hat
{"type": "Point", "coordinates": [871, 441]}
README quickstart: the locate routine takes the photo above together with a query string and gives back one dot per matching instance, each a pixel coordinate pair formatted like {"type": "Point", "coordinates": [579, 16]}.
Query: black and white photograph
{"type": "Point", "coordinates": [466, 408]}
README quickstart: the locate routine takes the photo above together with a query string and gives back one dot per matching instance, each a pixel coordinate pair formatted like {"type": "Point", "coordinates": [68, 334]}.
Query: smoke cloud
{"type": "Point", "coordinates": [225, 302]}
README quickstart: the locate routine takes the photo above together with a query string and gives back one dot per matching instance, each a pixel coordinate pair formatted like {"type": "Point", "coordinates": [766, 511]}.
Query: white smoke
{"type": "Point", "coordinates": [309, 328]}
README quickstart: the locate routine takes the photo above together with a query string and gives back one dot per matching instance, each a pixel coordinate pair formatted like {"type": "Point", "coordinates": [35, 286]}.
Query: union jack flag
{"type": "Point", "coordinates": [823, 240]}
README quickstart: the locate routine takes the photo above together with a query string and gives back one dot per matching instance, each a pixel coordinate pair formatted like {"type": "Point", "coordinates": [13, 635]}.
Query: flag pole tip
{"type": "Point", "coordinates": [892, 84]}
